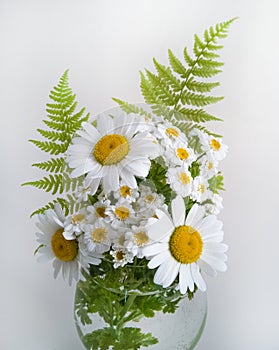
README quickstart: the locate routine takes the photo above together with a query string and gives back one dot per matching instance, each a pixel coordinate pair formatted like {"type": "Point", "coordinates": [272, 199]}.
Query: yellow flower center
{"type": "Point", "coordinates": [215, 144]}
{"type": "Point", "coordinates": [185, 244]}
{"type": "Point", "coordinates": [77, 219]}
{"type": "Point", "coordinates": [101, 212]}
{"type": "Point", "coordinates": [201, 188]}
{"type": "Point", "coordinates": [141, 238]}
{"type": "Point", "coordinates": [182, 153]}
{"type": "Point", "coordinates": [63, 249]}
{"type": "Point", "coordinates": [149, 198]}
{"type": "Point", "coordinates": [111, 149]}
{"type": "Point", "coordinates": [210, 166]}
{"type": "Point", "coordinates": [119, 255]}
{"type": "Point", "coordinates": [99, 234]}
{"type": "Point", "coordinates": [172, 132]}
{"type": "Point", "coordinates": [184, 178]}
{"type": "Point", "coordinates": [122, 213]}
{"type": "Point", "coordinates": [125, 191]}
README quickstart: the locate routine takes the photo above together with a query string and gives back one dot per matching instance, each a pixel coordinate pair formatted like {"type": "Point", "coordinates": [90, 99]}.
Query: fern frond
{"type": "Point", "coordinates": [180, 84]}
{"type": "Point", "coordinates": [200, 86]}
{"type": "Point", "coordinates": [195, 115]}
{"type": "Point", "coordinates": [177, 65]}
{"type": "Point", "coordinates": [167, 76]}
{"type": "Point", "coordinates": [199, 100]}
{"type": "Point", "coordinates": [56, 165]}
{"type": "Point", "coordinates": [62, 122]}
{"type": "Point", "coordinates": [50, 147]}
{"type": "Point", "coordinates": [130, 108]}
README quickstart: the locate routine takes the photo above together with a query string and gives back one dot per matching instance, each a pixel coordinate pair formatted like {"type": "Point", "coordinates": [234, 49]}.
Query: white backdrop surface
{"type": "Point", "coordinates": [105, 44]}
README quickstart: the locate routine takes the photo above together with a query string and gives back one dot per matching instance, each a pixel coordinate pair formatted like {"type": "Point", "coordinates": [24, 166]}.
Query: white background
{"type": "Point", "coordinates": [105, 44]}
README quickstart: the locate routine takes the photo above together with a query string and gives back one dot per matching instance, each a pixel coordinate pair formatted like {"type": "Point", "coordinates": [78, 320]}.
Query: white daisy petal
{"type": "Point", "coordinates": [178, 211]}
{"type": "Point", "coordinates": [155, 248]}
{"type": "Point", "coordinates": [91, 131]}
{"type": "Point", "coordinates": [159, 259]}
{"type": "Point", "coordinates": [185, 279]}
{"type": "Point", "coordinates": [171, 273]}
{"type": "Point", "coordinates": [161, 272]}
{"type": "Point", "coordinates": [206, 268]}
{"type": "Point", "coordinates": [215, 263]}
{"type": "Point", "coordinates": [197, 278]}
{"type": "Point", "coordinates": [195, 216]}
{"type": "Point", "coordinates": [161, 228]}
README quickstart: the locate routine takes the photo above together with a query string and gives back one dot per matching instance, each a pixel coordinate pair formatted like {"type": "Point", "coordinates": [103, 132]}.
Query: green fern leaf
{"type": "Point", "coordinates": [199, 86]}
{"type": "Point", "coordinates": [62, 121]}
{"type": "Point", "coordinates": [199, 100]}
{"type": "Point", "coordinates": [167, 76]}
{"type": "Point", "coordinates": [50, 147]}
{"type": "Point", "coordinates": [177, 65]}
{"type": "Point", "coordinates": [195, 115]}
{"type": "Point", "coordinates": [56, 165]}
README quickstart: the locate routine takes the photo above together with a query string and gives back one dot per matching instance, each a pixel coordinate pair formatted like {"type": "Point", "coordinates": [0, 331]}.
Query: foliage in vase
{"type": "Point", "coordinates": [135, 218]}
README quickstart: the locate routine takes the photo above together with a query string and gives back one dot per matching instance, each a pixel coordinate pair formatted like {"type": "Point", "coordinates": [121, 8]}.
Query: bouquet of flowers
{"type": "Point", "coordinates": [135, 220]}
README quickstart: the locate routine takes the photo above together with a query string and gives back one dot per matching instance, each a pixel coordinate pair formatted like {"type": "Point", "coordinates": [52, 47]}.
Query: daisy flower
{"type": "Point", "coordinates": [121, 257]}
{"type": "Point", "coordinates": [113, 150]}
{"type": "Point", "coordinates": [97, 236]}
{"type": "Point", "coordinates": [65, 253]}
{"type": "Point", "coordinates": [130, 194]}
{"type": "Point", "coordinates": [120, 214]}
{"type": "Point", "coordinates": [179, 153]}
{"type": "Point", "coordinates": [185, 247]}
{"type": "Point", "coordinates": [200, 190]}
{"type": "Point", "coordinates": [180, 180]}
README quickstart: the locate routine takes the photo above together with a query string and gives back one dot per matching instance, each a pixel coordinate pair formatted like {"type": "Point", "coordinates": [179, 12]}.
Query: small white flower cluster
{"type": "Point", "coordinates": [121, 201]}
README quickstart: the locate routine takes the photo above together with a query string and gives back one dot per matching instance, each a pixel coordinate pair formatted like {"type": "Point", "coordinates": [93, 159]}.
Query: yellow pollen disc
{"type": "Point", "coordinates": [122, 213]}
{"type": "Point", "coordinates": [119, 255]}
{"type": "Point", "coordinates": [201, 188]}
{"type": "Point", "coordinates": [185, 244]}
{"type": "Point", "coordinates": [125, 191]}
{"type": "Point", "coordinates": [63, 249]}
{"type": "Point", "coordinates": [210, 166]}
{"type": "Point", "coordinates": [149, 198]}
{"type": "Point", "coordinates": [141, 238]}
{"type": "Point", "coordinates": [172, 132]}
{"type": "Point", "coordinates": [99, 234]}
{"type": "Point", "coordinates": [121, 240]}
{"type": "Point", "coordinates": [101, 212]}
{"type": "Point", "coordinates": [111, 149]}
{"type": "Point", "coordinates": [182, 153]}
{"type": "Point", "coordinates": [78, 218]}
{"type": "Point", "coordinates": [184, 178]}
{"type": "Point", "coordinates": [215, 144]}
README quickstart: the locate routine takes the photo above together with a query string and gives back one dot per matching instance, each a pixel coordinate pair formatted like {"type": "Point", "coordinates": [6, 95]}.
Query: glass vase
{"type": "Point", "coordinates": [122, 309]}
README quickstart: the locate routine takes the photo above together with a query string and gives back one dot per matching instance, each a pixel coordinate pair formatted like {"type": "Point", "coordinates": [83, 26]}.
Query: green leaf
{"type": "Point", "coordinates": [216, 183]}
{"type": "Point", "coordinates": [62, 122]}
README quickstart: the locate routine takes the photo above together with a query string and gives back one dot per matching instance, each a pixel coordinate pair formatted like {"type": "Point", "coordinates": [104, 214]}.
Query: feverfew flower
{"type": "Point", "coordinates": [112, 150]}
{"type": "Point", "coordinates": [120, 214]}
{"type": "Point", "coordinates": [185, 247]}
{"type": "Point", "coordinates": [180, 180]}
{"type": "Point", "coordinates": [179, 153]}
{"type": "Point", "coordinates": [200, 190]}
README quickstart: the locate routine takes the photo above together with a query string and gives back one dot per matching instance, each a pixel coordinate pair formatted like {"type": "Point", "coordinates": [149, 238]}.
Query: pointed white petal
{"type": "Point", "coordinates": [161, 228]}
{"type": "Point", "coordinates": [171, 273]}
{"type": "Point", "coordinates": [159, 259]}
{"type": "Point", "coordinates": [91, 131]}
{"type": "Point", "coordinates": [178, 211]}
{"type": "Point", "coordinates": [155, 248]}
{"type": "Point", "coordinates": [197, 278]}
{"type": "Point", "coordinates": [195, 216]}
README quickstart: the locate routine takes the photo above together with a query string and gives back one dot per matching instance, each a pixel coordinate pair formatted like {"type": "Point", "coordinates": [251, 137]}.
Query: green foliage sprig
{"type": "Point", "coordinates": [180, 91]}
{"type": "Point", "coordinates": [120, 296]}
{"type": "Point", "coordinates": [62, 123]}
